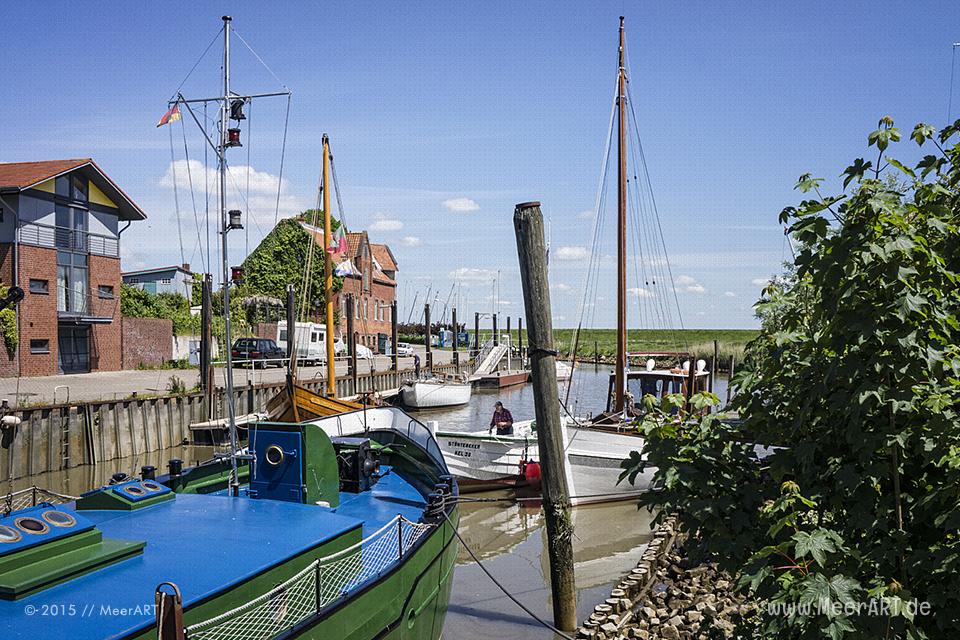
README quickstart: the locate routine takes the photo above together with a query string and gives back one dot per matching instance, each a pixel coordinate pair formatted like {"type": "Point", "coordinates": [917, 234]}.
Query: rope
{"type": "Point", "coordinates": [283, 153]}
{"type": "Point", "coordinates": [196, 64]}
{"type": "Point", "coordinates": [176, 195]}
{"type": "Point", "coordinates": [500, 586]}
{"type": "Point", "coordinates": [196, 217]}
{"type": "Point", "coordinates": [953, 63]}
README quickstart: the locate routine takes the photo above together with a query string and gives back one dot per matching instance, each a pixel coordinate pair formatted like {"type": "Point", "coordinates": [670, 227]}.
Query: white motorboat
{"type": "Point", "coordinates": [483, 461]}
{"type": "Point", "coordinates": [434, 393]}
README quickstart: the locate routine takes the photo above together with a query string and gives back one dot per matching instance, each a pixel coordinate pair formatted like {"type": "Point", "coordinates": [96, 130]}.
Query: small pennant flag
{"type": "Point", "coordinates": [170, 116]}
{"type": "Point", "coordinates": [338, 242]}
{"type": "Point", "coordinates": [345, 268]}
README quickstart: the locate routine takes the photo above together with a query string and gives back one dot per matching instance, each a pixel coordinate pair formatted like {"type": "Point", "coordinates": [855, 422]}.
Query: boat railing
{"type": "Point", "coordinates": [31, 497]}
{"type": "Point", "coordinates": [318, 585]}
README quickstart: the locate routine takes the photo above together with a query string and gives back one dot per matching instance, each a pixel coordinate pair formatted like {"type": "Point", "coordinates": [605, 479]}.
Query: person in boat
{"type": "Point", "coordinates": [502, 420]}
{"type": "Point", "coordinates": [416, 365]}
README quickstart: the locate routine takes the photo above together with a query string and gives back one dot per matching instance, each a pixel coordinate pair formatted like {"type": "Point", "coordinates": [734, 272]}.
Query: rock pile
{"type": "Point", "coordinates": [667, 596]}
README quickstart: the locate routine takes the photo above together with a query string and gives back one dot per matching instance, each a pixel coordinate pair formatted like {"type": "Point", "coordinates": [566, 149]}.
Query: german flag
{"type": "Point", "coordinates": [170, 116]}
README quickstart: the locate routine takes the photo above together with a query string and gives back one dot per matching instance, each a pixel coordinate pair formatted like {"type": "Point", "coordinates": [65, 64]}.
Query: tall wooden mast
{"type": "Point", "coordinates": [620, 375]}
{"type": "Point", "coordinates": [328, 270]}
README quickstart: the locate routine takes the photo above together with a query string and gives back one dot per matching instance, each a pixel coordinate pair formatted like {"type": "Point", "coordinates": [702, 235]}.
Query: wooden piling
{"type": "Point", "coordinates": [428, 339]}
{"type": "Point", "coordinates": [291, 332]}
{"type": "Point", "coordinates": [456, 333]}
{"type": "Point", "coordinates": [393, 337]}
{"type": "Point", "coordinates": [528, 225]}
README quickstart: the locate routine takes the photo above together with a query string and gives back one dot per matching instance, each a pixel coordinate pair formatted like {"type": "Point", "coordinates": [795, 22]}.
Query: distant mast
{"type": "Point", "coordinates": [328, 269]}
{"type": "Point", "coordinates": [621, 365]}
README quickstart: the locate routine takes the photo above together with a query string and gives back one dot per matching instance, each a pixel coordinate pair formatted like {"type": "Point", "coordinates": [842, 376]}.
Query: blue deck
{"type": "Point", "coordinates": [202, 543]}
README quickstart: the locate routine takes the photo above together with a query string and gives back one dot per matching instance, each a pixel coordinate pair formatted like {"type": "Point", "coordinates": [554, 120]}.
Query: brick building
{"type": "Point", "coordinates": [373, 283]}
{"type": "Point", "coordinates": [60, 227]}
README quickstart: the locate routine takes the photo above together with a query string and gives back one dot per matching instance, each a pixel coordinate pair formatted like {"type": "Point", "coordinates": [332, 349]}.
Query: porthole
{"type": "Point", "coordinates": [59, 519]}
{"type": "Point", "coordinates": [31, 525]}
{"type": "Point", "coordinates": [274, 455]}
{"type": "Point", "coordinates": [9, 534]}
{"type": "Point", "coordinates": [151, 486]}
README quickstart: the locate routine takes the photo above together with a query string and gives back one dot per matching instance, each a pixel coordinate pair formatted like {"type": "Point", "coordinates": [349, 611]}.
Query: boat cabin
{"type": "Point", "coordinates": [660, 382]}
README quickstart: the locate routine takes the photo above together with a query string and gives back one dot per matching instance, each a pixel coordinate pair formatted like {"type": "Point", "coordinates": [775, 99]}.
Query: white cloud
{"type": "Point", "coordinates": [261, 203]}
{"type": "Point", "coordinates": [460, 205]}
{"type": "Point", "coordinates": [411, 241]}
{"type": "Point", "coordinates": [469, 274]}
{"type": "Point", "coordinates": [689, 284]}
{"type": "Point", "coordinates": [586, 214]}
{"type": "Point", "coordinates": [560, 286]}
{"type": "Point", "coordinates": [571, 253]}
{"type": "Point", "coordinates": [729, 294]}
{"type": "Point", "coordinates": [640, 292]}
{"type": "Point", "coordinates": [760, 282]}
{"type": "Point", "coordinates": [384, 223]}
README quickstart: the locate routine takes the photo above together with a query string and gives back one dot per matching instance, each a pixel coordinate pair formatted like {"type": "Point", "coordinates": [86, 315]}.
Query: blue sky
{"type": "Point", "coordinates": [442, 116]}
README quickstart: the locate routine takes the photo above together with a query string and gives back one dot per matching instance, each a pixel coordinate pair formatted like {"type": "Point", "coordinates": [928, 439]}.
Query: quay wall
{"type": "Point", "coordinates": [63, 436]}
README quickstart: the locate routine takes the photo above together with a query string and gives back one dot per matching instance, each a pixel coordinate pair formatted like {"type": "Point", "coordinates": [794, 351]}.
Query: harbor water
{"type": "Point", "coordinates": [508, 536]}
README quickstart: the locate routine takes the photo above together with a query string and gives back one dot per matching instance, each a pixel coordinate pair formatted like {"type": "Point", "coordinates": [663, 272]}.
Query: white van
{"type": "Point", "coordinates": [311, 341]}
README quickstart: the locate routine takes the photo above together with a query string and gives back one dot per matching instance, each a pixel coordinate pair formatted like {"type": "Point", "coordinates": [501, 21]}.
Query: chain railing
{"type": "Point", "coordinates": [319, 584]}
{"type": "Point", "coordinates": [31, 497]}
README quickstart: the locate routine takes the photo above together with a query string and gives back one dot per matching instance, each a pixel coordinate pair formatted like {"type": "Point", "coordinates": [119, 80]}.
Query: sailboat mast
{"type": "Point", "coordinates": [620, 373]}
{"type": "Point", "coordinates": [328, 270]}
{"type": "Point", "coordinates": [224, 228]}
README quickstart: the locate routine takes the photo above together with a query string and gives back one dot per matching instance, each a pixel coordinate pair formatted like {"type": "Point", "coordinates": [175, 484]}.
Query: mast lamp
{"type": "Point", "coordinates": [236, 109]}
{"type": "Point", "coordinates": [235, 222]}
{"type": "Point", "coordinates": [233, 138]}
{"type": "Point", "coordinates": [236, 275]}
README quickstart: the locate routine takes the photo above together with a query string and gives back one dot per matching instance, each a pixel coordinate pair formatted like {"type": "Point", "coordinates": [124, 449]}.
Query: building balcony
{"type": "Point", "coordinates": [77, 304]}
{"type": "Point", "coordinates": [45, 235]}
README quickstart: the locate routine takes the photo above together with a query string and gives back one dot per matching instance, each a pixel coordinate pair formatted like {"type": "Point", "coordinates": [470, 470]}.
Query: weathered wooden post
{"type": "Point", "coordinates": [596, 353]}
{"type": "Point", "coordinates": [509, 346]}
{"type": "Point", "coordinates": [456, 335]}
{"type": "Point", "coordinates": [730, 378]}
{"type": "Point", "coordinates": [496, 339]}
{"type": "Point", "coordinates": [713, 363]}
{"type": "Point", "coordinates": [528, 225]}
{"type": "Point", "coordinates": [427, 337]}
{"type": "Point", "coordinates": [206, 318]}
{"type": "Point", "coordinates": [393, 336]}
{"type": "Point", "coordinates": [351, 343]}
{"type": "Point", "coordinates": [291, 332]}
{"type": "Point", "coordinates": [520, 340]}
{"type": "Point", "coordinates": [476, 334]}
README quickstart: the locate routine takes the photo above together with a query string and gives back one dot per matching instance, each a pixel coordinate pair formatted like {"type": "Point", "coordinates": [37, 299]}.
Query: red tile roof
{"type": "Point", "coordinates": [383, 255]}
{"type": "Point", "coordinates": [21, 175]}
{"type": "Point", "coordinates": [353, 242]}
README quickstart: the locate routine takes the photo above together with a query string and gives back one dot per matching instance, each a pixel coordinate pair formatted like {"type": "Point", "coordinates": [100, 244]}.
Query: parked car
{"type": "Point", "coordinates": [404, 350]}
{"type": "Point", "coordinates": [364, 353]}
{"type": "Point", "coordinates": [257, 352]}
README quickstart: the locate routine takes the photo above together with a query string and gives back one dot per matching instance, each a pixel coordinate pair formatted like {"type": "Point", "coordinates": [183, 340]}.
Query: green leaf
{"type": "Point", "coordinates": [808, 183]}
{"type": "Point", "coordinates": [816, 543]}
{"type": "Point", "coordinates": [922, 132]}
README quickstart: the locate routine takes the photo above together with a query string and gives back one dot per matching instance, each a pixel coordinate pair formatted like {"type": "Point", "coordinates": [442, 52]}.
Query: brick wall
{"type": "Point", "coordinates": [38, 311]}
{"type": "Point", "coordinates": [367, 329]}
{"type": "Point", "coordinates": [105, 339]}
{"type": "Point", "coordinates": [9, 362]}
{"type": "Point", "coordinates": [146, 341]}
{"type": "Point", "coordinates": [265, 330]}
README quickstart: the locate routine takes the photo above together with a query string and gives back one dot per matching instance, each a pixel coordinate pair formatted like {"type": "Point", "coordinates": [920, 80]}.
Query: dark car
{"type": "Point", "coordinates": [257, 352]}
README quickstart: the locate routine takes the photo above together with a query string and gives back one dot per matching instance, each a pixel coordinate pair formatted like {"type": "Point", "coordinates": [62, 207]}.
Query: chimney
{"type": "Point", "coordinates": [186, 267]}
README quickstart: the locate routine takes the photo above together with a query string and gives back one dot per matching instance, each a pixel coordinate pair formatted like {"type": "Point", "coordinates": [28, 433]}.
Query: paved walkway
{"type": "Point", "coordinates": [114, 385]}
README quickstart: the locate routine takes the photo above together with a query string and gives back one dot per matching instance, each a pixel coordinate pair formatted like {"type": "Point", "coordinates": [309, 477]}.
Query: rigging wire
{"type": "Point", "coordinates": [204, 259]}
{"type": "Point", "coordinates": [246, 227]}
{"type": "Point", "coordinates": [176, 196]}
{"type": "Point", "coordinates": [953, 64]}
{"type": "Point", "coordinates": [260, 60]}
{"type": "Point", "coordinates": [196, 64]}
{"type": "Point", "coordinates": [283, 153]}
{"type": "Point", "coordinates": [206, 192]}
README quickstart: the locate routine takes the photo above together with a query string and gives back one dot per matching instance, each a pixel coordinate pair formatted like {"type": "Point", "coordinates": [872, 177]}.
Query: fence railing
{"type": "Point", "coordinates": [319, 584]}
{"type": "Point", "coordinates": [46, 235]}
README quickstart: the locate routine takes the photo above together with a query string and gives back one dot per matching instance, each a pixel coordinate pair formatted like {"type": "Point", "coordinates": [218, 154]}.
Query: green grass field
{"type": "Point", "coordinates": [603, 342]}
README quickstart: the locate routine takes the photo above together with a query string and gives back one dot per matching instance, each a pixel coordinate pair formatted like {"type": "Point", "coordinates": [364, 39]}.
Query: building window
{"type": "Point", "coordinates": [71, 282]}
{"type": "Point", "coordinates": [39, 346]}
{"type": "Point", "coordinates": [105, 291]}
{"type": "Point", "coordinates": [39, 286]}
{"type": "Point", "coordinates": [165, 280]}
{"type": "Point", "coordinates": [133, 280]}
